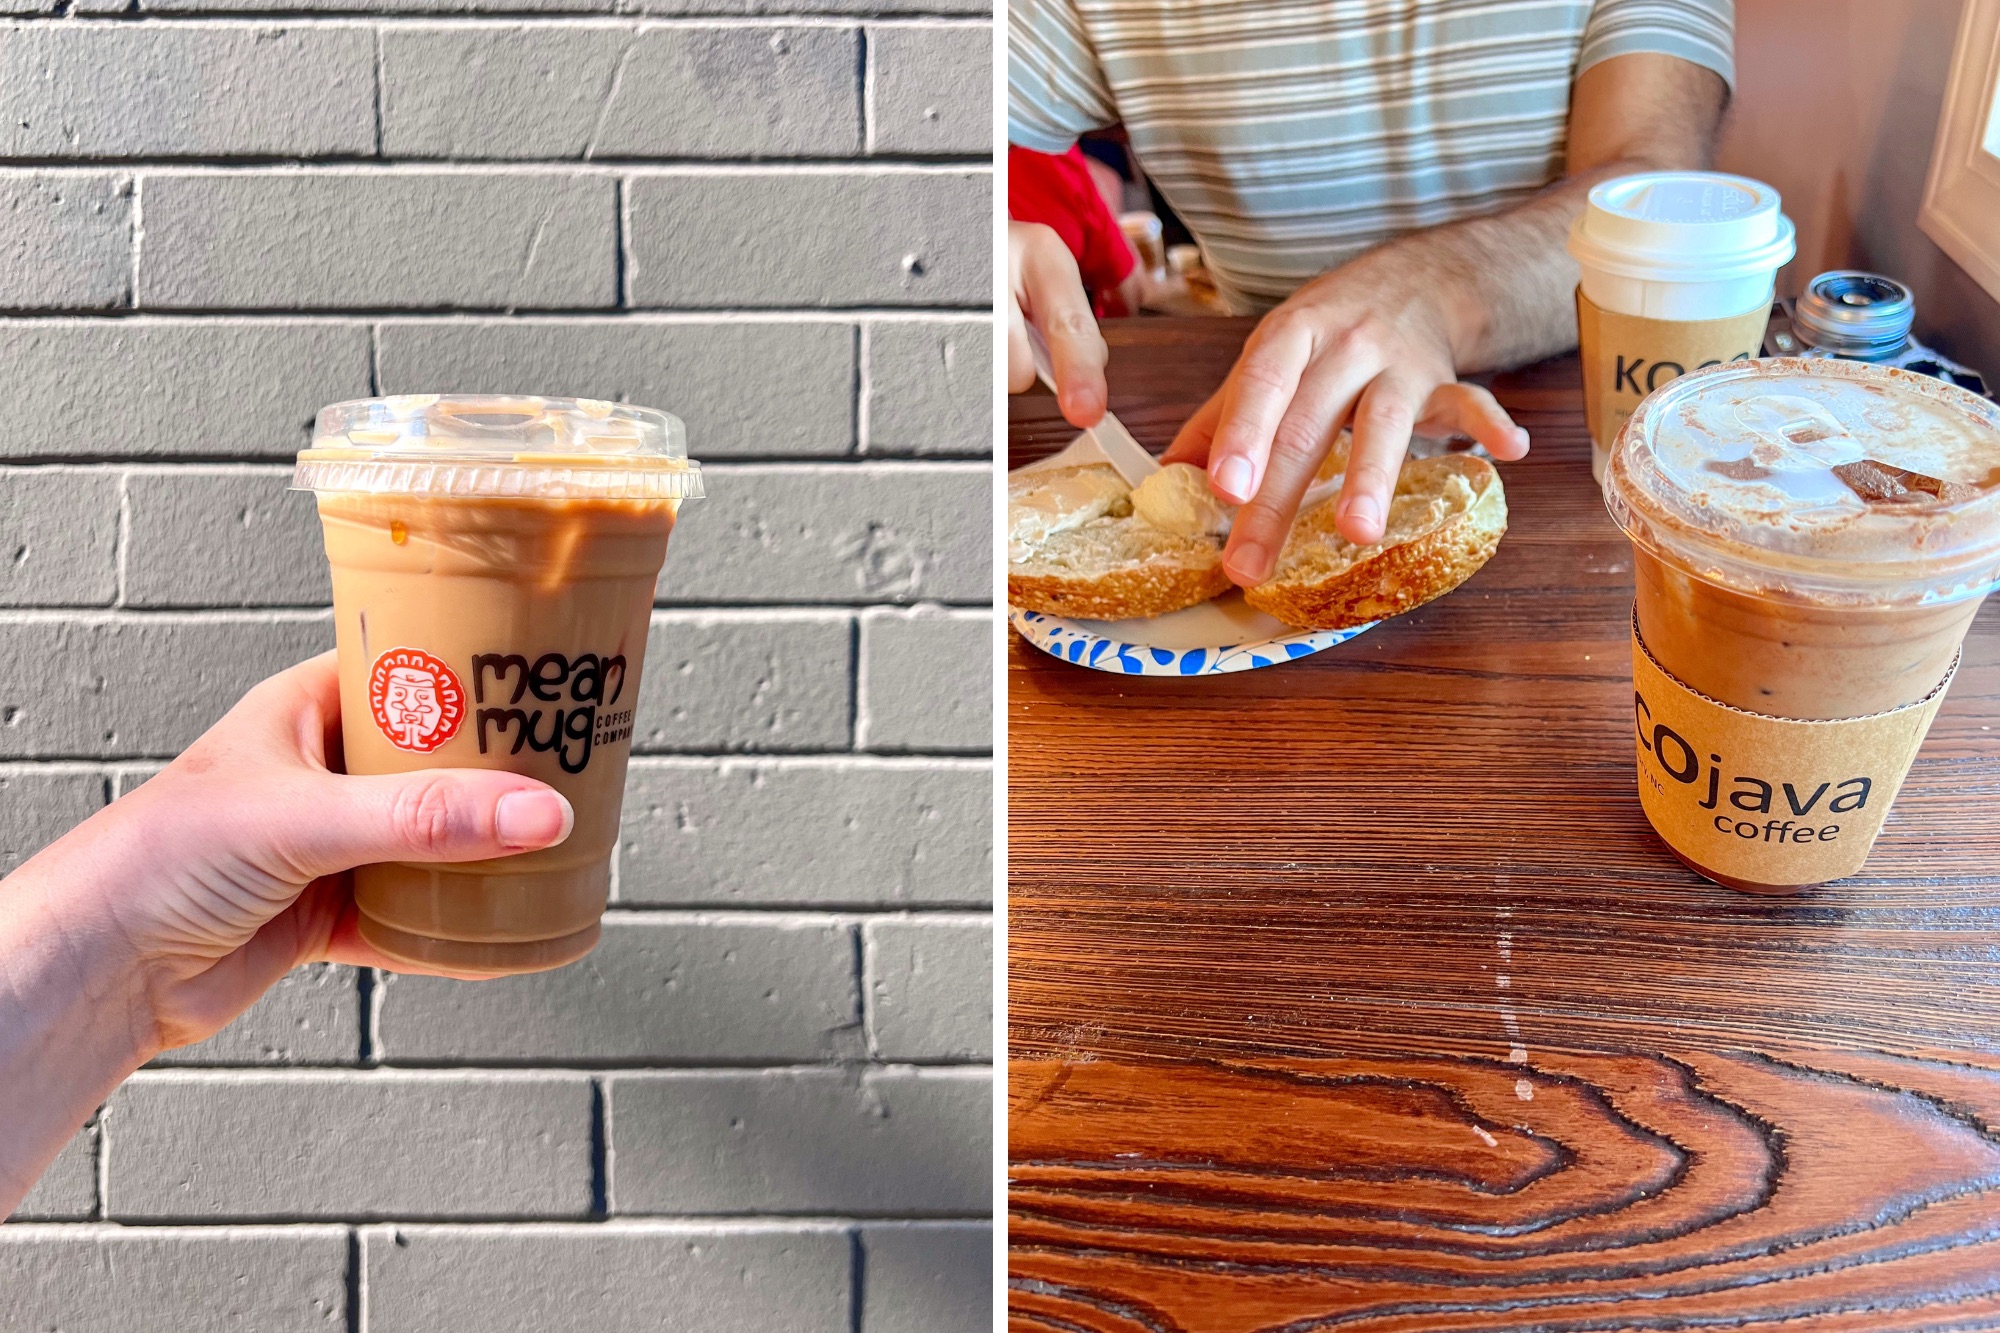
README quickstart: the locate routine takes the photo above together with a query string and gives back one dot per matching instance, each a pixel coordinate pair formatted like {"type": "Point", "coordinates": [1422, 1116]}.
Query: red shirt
{"type": "Point", "coordinates": [1059, 193]}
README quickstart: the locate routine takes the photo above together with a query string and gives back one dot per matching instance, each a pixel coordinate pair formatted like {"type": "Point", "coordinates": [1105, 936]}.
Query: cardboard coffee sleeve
{"type": "Point", "coordinates": [1626, 357]}
{"type": "Point", "coordinates": [1765, 802]}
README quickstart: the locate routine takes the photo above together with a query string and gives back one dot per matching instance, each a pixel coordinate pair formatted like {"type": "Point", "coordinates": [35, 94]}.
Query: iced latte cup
{"type": "Point", "coordinates": [1811, 540]}
{"type": "Point", "coordinates": [493, 570]}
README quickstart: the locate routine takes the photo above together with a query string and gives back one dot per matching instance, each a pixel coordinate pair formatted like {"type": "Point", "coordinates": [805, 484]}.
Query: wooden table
{"type": "Point", "coordinates": [1357, 994]}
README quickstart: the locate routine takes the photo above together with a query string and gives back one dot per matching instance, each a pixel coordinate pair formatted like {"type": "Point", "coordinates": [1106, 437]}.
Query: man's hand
{"type": "Point", "coordinates": [1379, 342]}
{"type": "Point", "coordinates": [1371, 343]}
{"type": "Point", "coordinates": [1044, 287]}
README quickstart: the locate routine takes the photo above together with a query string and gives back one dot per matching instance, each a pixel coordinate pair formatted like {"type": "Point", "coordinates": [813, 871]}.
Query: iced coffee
{"type": "Point", "coordinates": [494, 562]}
{"type": "Point", "coordinates": [1811, 540]}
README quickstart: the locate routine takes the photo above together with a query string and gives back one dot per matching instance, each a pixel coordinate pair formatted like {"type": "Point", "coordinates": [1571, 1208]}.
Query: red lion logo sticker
{"type": "Point", "coordinates": [417, 700]}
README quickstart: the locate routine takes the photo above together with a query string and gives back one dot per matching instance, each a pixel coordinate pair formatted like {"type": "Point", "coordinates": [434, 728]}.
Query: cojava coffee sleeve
{"type": "Point", "coordinates": [1626, 357]}
{"type": "Point", "coordinates": [1767, 800]}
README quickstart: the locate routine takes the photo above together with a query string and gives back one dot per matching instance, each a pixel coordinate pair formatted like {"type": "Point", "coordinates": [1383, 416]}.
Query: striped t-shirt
{"type": "Point", "coordinates": [1292, 134]}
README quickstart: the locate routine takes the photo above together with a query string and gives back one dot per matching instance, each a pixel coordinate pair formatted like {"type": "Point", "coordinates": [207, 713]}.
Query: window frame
{"type": "Point", "coordinates": [1961, 205]}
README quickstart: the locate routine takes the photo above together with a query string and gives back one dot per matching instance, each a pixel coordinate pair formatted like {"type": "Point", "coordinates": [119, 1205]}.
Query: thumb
{"type": "Point", "coordinates": [445, 814]}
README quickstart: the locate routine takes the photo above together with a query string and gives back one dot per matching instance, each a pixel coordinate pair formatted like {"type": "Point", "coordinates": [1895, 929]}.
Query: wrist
{"type": "Point", "coordinates": [1447, 281]}
{"type": "Point", "coordinates": [72, 1027]}
{"type": "Point", "coordinates": [1425, 277]}
{"type": "Point", "coordinates": [69, 974]}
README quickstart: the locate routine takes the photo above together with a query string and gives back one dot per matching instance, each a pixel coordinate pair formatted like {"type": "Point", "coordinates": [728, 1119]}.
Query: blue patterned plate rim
{"type": "Point", "coordinates": [1075, 641]}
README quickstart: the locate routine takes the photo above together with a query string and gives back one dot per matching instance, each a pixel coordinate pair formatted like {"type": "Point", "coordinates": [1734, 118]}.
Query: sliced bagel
{"type": "Point", "coordinates": [1445, 521]}
{"type": "Point", "coordinates": [1074, 549]}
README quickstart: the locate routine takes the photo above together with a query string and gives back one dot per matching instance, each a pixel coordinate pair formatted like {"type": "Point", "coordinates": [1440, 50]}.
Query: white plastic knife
{"type": "Point", "coordinates": [1127, 456]}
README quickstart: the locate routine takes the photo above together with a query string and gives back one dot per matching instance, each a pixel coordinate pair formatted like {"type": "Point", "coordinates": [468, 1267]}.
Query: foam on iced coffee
{"type": "Point", "coordinates": [1828, 480]}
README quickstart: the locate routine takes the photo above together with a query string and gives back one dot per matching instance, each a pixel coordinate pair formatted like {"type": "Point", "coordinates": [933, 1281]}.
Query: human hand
{"type": "Point", "coordinates": [184, 901]}
{"type": "Point", "coordinates": [1373, 345]}
{"type": "Point", "coordinates": [1045, 286]}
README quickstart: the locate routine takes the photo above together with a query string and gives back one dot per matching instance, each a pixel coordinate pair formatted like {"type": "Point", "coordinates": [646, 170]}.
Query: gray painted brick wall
{"type": "Point", "coordinates": [764, 1102]}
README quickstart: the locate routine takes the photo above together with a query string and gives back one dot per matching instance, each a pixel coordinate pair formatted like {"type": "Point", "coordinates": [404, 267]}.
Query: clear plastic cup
{"type": "Point", "coordinates": [494, 562]}
{"type": "Point", "coordinates": [1811, 540]}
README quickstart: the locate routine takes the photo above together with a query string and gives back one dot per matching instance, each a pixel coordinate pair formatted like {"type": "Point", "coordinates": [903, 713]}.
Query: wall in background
{"type": "Point", "coordinates": [1836, 105]}
{"type": "Point", "coordinates": [763, 1103]}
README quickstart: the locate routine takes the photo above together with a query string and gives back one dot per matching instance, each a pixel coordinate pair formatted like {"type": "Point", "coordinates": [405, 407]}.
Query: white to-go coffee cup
{"type": "Point", "coordinates": [1676, 272]}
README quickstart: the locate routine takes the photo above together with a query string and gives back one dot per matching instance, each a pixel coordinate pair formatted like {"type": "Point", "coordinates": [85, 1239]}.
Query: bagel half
{"type": "Point", "coordinates": [1103, 562]}
{"type": "Point", "coordinates": [1445, 521]}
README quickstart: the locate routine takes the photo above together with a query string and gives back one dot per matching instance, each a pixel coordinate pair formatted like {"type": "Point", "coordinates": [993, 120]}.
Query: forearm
{"type": "Point", "coordinates": [1508, 277]}
{"type": "Point", "coordinates": [71, 1026]}
{"type": "Point", "coordinates": [1507, 280]}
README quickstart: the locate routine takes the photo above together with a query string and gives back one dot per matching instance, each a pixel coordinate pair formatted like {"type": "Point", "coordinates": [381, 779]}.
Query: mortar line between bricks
{"type": "Point", "coordinates": [356, 166]}
{"type": "Point", "coordinates": [831, 465]}
{"type": "Point", "coordinates": [612, 1068]}
{"type": "Point", "coordinates": [821, 613]}
{"type": "Point", "coordinates": [694, 316]}
{"type": "Point", "coordinates": [100, 1164]}
{"type": "Point", "coordinates": [794, 916]}
{"type": "Point", "coordinates": [600, 1140]}
{"type": "Point", "coordinates": [862, 913]}
{"type": "Point", "coordinates": [862, 423]}
{"type": "Point", "coordinates": [254, 608]}
{"type": "Point", "coordinates": [154, 464]}
{"type": "Point", "coordinates": [866, 57]}
{"type": "Point", "coordinates": [840, 761]}
{"type": "Point", "coordinates": [836, 762]}
{"type": "Point", "coordinates": [377, 100]}
{"type": "Point", "coordinates": [857, 1278]}
{"type": "Point", "coordinates": [621, 233]}
{"type": "Point", "coordinates": [857, 686]}
{"type": "Point", "coordinates": [357, 1284]}
{"type": "Point", "coordinates": [366, 1043]}
{"type": "Point", "coordinates": [864, 971]}
{"type": "Point", "coordinates": [128, 759]}
{"type": "Point", "coordinates": [390, 19]}
{"type": "Point", "coordinates": [412, 1220]}
{"type": "Point", "coordinates": [56, 767]}
{"type": "Point", "coordinates": [138, 240]}
{"type": "Point", "coordinates": [122, 557]}
{"type": "Point", "coordinates": [233, 1226]}
{"type": "Point", "coordinates": [494, 1071]}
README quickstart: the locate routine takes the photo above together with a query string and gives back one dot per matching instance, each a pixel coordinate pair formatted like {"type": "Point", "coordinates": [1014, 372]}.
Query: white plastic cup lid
{"type": "Point", "coordinates": [475, 446]}
{"type": "Point", "coordinates": [1682, 226]}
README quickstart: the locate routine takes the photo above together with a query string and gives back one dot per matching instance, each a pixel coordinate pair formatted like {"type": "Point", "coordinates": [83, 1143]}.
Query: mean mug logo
{"type": "Point", "coordinates": [417, 699]}
{"type": "Point", "coordinates": [583, 690]}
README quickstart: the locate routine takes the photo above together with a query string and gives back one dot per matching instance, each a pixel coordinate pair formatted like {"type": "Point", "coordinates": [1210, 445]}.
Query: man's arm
{"type": "Point", "coordinates": [1640, 112]}
{"type": "Point", "coordinates": [1379, 342]}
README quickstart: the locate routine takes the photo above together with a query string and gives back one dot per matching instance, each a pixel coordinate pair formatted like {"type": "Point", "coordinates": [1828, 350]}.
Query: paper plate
{"type": "Point", "coordinates": [1212, 639]}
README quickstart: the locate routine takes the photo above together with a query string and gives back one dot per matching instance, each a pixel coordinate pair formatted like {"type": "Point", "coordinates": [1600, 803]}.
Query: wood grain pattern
{"type": "Point", "coordinates": [1357, 994]}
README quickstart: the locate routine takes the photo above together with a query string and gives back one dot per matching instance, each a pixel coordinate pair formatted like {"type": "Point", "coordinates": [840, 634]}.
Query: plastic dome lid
{"type": "Point", "coordinates": [1836, 481]}
{"type": "Point", "coordinates": [477, 446]}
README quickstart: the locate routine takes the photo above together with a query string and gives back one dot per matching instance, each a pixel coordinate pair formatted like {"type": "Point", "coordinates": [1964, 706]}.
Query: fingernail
{"type": "Point", "coordinates": [532, 819]}
{"type": "Point", "coordinates": [1252, 560]}
{"type": "Point", "coordinates": [1365, 508]}
{"type": "Point", "coordinates": [1232, 478]}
